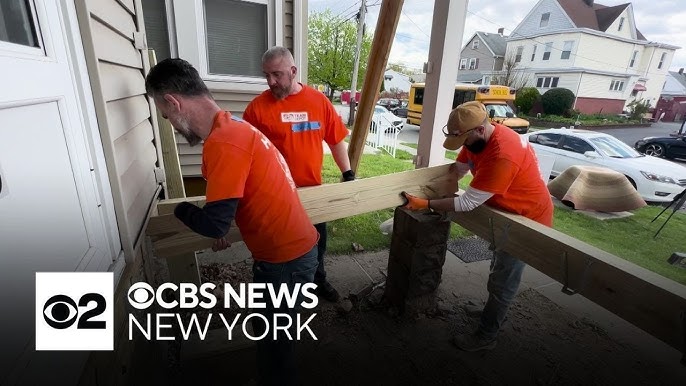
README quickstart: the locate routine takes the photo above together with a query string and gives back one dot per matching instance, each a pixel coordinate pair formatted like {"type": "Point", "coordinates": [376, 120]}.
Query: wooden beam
{"type": "Point", "coordinates": [381, 47]}
{"type": "Point", "coordinates": [170, 152]}
{"type": "Point", "coordinates": [323, 203]}
{"type": "Point", "coordinates": [649, 301]}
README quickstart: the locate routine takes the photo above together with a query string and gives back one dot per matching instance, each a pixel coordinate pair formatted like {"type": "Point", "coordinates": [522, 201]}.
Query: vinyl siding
{"type": "Point", "coordinates": [127, 129]}
{"type": "Point", "coordinates": [531, 24]}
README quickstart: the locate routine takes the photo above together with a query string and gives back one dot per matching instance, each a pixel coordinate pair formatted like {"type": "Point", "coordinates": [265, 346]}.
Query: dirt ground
{"type": "Point", "coordinates": [549, 338]}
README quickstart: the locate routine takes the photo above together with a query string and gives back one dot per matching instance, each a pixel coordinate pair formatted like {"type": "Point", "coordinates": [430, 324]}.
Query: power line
{"type": "Point", "coordinates": [552, 47]}
{"type": "Point", "coordinates": [415, 24]}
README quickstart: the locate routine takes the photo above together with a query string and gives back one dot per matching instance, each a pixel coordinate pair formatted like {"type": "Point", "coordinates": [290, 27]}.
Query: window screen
{"type": "Point", "coordinates": [16, 23]}
{"type": "Point", "coordinates": [156, 28]}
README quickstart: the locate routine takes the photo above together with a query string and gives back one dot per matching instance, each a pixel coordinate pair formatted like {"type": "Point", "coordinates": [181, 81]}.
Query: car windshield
{"type": "Point", "coordinates": [500, 110]}
{"type": "Point", "coordinates": [379, 110]}
{"type": "Point", "coordinates": [612, 147]}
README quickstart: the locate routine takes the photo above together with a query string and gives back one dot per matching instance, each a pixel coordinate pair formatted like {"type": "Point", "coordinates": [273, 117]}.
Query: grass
{"type": "Point", "coordinates": [630, 238]}
{"type": "Point", "coordinates": [448, 153]}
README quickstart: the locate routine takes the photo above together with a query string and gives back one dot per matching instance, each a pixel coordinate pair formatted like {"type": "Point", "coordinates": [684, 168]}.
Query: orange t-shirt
{"type": "Point", "coordinates": [508, 168]}
{"type": "Point", "coordinates": [297, 126]}
{"type": "Point", "coordinates": [239, 162]}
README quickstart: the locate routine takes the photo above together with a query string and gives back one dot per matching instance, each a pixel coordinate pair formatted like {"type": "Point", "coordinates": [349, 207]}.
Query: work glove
{"type": "Point", "coordinates": [414, 202]}
{"type": "Point", "coordinates": [349, 176]}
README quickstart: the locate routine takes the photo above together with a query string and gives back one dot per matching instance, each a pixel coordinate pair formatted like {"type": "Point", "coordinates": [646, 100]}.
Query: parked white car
{"type": "Point", "coordinates": [655, 179]}
{"type": "Point", "coordinates": [389, 122]}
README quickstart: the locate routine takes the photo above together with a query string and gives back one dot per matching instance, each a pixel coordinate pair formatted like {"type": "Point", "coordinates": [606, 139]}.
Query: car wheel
{"type": "Point", "coordinates": [655, 149]}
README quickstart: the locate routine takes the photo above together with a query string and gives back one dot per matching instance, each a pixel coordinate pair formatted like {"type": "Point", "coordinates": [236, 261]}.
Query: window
{"type": "Point", "coordinates": [621, 23]}
{"type": "Point", "coordinates": [576, 145]}
{"type": "Point", "coordinates": [662, 60]}
{"type": "Point", "coordinates": [156, 28]}
{"type": "Point", "coordinates": [633, 59]}
{"type": "Point", "coordinates": [487, 80]}
{"type": "Point", "coordinates": [463, 64]}
{"type": "Point", "coordinates": [518, 56]}
{"type": "Point", "coordinates": [475, 44]}
{"type": "Point", "coordinates": [533, 53]}
{"type": "Point", "coordinates": [547, 81]}
{"type": "Point", "coordinates": [545, 18]}
{"type": "Point", "coordinates": [567, 50]}
{"type": "Point", "coordinates": [17, 23]}
{"type": "Point", "coordinates": [237, 36]}
{"type": "Point", "coordinates": [617, 85]}
{"type": "Point", "coordinates": [473, 63]}
{"type": "Point", "coordinates": [419, 96]}
{"type": "Point", "coordinates": [547, 139]}
{"type": "Point", "coordinates": [548, 48]}
{"type": "Point", "coordinates": [462, 96]}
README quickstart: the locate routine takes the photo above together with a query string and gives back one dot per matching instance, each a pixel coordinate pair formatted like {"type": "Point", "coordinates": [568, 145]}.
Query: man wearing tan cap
{"type": "Point", "coordinates": [506, 176]}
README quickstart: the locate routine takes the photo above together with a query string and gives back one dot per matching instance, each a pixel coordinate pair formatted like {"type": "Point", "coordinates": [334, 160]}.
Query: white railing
{"type": "Point", "coordinates": [383, 136]}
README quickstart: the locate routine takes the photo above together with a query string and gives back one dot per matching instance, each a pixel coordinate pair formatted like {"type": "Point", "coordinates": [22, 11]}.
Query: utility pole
{"type": "Point", "coordinates": [356, 64]}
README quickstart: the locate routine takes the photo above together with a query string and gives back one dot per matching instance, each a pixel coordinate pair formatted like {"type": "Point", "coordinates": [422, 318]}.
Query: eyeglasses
{"type": "Point", "coordinates": [448, 134]}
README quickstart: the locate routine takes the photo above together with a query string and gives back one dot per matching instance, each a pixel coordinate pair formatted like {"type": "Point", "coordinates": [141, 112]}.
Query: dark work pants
{"type": "Point", "coordinates": [320, 275]}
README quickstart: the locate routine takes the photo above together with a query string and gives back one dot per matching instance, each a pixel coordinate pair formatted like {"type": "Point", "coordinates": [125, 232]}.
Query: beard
{"type": "Point", "coordinates": [477, 147]}
{"type": "Point", "coordinates": [282, 91]}
{"type": "Point", "coordinates": [184, 128]}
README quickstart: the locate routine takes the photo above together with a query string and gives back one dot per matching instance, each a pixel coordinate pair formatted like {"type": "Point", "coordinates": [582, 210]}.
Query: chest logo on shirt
{"type": "Point", "coordinates": [294, 117]}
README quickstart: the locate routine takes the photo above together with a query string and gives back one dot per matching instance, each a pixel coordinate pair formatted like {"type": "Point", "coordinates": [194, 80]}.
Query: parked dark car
{"type": "Point", "coordinates": [665, 147]}
{"type": "Point", "coordinates": [401, 110]}
{"type": "Point", "coordinates": [388, 103]}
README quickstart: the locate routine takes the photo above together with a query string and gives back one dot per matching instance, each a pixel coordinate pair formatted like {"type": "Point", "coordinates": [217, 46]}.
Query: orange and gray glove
{"type": "Point", "coordinates": [414, 202]}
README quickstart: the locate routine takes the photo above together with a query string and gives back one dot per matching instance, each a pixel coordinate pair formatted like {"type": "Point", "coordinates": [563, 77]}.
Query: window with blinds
{"type": "Point", "coordinates": [237, 36]}
{"type": "Point", "coordinates": [156, 28]}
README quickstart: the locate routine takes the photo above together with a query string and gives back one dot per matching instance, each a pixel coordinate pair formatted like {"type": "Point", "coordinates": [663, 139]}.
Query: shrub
{"type": "Point", "coordinates": [638, 107]}
{"type": "Point", "coordinates": [557, 101]}
{"type": "Point", "coordinates": [526, 98]}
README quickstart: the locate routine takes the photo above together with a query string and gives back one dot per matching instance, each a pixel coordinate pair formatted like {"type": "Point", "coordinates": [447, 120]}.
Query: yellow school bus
{"type": "Point", "coordinates": [494, 97]}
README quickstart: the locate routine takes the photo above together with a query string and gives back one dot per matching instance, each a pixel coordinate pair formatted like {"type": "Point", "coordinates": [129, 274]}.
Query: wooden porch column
{"type": "Point", "coordinates": [441, 76]}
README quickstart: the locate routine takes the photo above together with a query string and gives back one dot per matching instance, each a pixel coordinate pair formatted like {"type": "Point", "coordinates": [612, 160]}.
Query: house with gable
{"type": "Point", "coordinates": [594, 50]}
{"type": "Point", "coordinates": [483, 53]}
{"type": "Point", "coordinates": [672, 102]}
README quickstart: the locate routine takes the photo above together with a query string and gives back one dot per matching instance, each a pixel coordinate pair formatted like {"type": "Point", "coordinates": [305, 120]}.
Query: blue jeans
{"type": "Point", "coordinates": [276, 358]}
{"type": "Point", "coordinates": [503, 283]}
{"type": "Point", "coordinates": [320, 275]}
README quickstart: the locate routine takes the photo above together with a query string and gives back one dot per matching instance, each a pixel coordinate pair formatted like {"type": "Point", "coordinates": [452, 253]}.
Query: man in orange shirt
{"type": "Point", "coordinates": [507, 177]}
{"type": "Point", "coordinates": [247, 181]}
{"type": "Point", "coordinates": [297, 118]}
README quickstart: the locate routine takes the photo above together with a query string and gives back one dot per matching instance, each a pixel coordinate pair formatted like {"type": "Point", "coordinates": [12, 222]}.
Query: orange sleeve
{"type": "Point", "coordinates": [226, 170]}
{"type": "Point", "coordinates": [335, 129]}
{"type": "Point", "coordinates": [249, 113]}
{"type": "Point", "coordinates": [495, 176]}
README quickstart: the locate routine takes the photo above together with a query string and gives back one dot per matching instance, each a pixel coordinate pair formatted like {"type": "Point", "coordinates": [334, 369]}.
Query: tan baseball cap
{"type": "Point", "coordinates": [462, 120]}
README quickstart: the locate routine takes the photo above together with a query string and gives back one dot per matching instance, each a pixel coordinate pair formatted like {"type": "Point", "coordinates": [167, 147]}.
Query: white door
{"type": "Point", "coordinates": [50, 215]}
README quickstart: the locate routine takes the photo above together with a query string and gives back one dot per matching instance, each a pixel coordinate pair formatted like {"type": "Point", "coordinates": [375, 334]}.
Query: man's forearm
{"type": "Point", "coordinates": [213, 220]}
{"type": "Point", "coordinates": [339, 152]}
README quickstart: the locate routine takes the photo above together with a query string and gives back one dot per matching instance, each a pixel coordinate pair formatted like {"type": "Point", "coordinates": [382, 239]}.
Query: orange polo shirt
{"type": "Point", "coordinates": [508, 168]}
{"type": "Point", "coordinates": [240, 162]}
{"type": "Point", "coordinates": [297, 125]}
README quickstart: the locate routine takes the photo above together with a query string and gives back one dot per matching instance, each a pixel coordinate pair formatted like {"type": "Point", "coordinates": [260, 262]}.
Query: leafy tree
{"type": "Point", "coordinates": [526, 99]}
{"type": "Point", "coordinates": [637, 108]}
{"type": "Point", "coordinates": [331, 51]}
{"type": "Point", "coordinates": [557, 101]}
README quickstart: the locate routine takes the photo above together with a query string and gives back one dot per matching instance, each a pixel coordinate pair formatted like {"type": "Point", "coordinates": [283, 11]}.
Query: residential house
{"type": "Point", "coordinates": [672, 102]}
{"type": "Point", "coordinates": [225, 40]}
{"type": "Point", "coordinates": [596, 51]}
{"type": "Point", "coordinates": [483, 54]}
{"type": "Point", "coordinates": [80, 165]}
{"type": "Point", "coordinates": [393, 80]}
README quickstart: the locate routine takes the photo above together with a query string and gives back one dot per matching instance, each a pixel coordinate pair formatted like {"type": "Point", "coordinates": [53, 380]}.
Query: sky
{"type": "Point", "coordinates": [659, 20]}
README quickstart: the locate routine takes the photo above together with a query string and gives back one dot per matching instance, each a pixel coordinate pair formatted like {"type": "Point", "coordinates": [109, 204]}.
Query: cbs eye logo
{"type": "Point", "coordinates": [141, 295]}
{"type": "Point", "coordinates": [60, 312]}
{"type": "Point", "coordinates": [74, 311]}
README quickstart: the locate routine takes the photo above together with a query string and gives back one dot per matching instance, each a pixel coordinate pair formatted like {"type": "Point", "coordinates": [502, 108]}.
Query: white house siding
{"type": "Point", "coordinates": [127, 129]}
{"type": "Point", "coordinates": [531, 23]}
{"type": "Point", "coordinates": [555, 60]}
{"type": "Point", "coordinates": [598, 86]}
{"type": "Point", "coordinates": [610, 55]}
{"type": "Point", "coordinates": [628, 27]}
{"type": "Point", "coordinates": [569, 81]}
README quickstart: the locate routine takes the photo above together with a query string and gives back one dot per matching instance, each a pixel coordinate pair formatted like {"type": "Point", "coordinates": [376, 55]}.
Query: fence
{"type": "Point", "coordinates": [383, 135]}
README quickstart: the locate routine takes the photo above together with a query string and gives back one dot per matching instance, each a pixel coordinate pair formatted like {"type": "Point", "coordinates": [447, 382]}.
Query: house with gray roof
{"type": "Point", "coordinates": [483, 53]}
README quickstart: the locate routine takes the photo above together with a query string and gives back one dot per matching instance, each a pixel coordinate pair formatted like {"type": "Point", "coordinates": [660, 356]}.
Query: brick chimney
{"type": "Point", "coordinates": [589, 2]}
{"type": "Point", "coordinates": [501, 30]}
{"type": "Point", "coordinates": [681, 71]}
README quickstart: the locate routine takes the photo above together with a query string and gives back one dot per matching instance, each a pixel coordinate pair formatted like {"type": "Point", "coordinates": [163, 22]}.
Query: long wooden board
{"type": "Point", "coordinates": [649, 301]}
{"type": "Point", "coordinates": [323, 203]}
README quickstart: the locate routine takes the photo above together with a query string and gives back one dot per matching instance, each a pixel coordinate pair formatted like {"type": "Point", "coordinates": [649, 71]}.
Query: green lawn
{"type": "Point", "coordinates": [448, 153]}
{"type": "Point", "coordinates": [630, 238]}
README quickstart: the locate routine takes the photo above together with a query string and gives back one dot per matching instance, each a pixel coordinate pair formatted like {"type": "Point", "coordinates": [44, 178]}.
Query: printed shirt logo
{"type": "Point", "coordinates": [294, 117]}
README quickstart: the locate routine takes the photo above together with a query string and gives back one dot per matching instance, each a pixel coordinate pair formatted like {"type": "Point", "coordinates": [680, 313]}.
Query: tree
{"type": "Point", "coordinates": [557, 101]}
{"type": "Point", "coordinates": [637, 108]}
{"type": "Point", "coordinates": [526, 99]}
{"type": "Point", "coordinates": [331, 51]}
{"type": "Point", "coordinates": [510, 76]}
